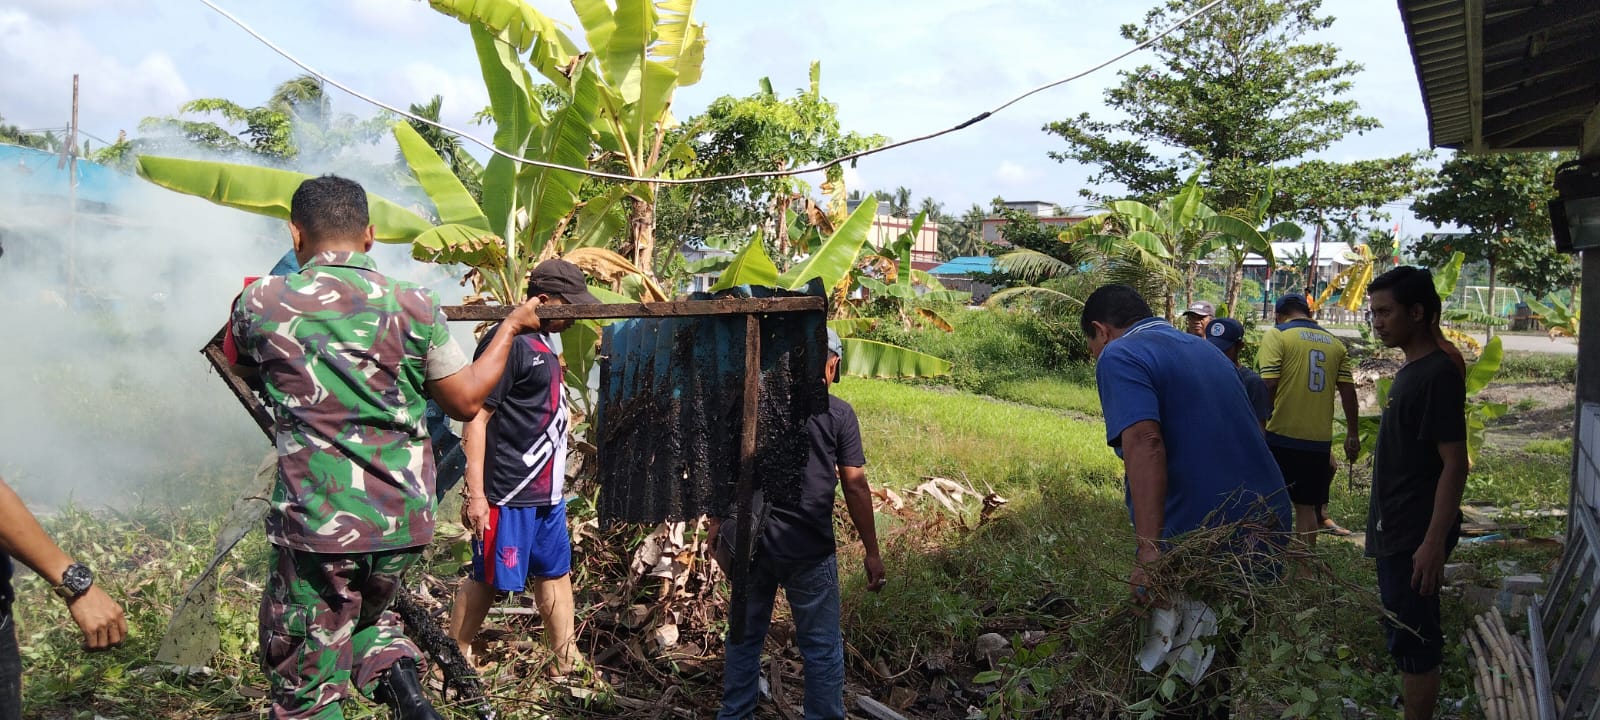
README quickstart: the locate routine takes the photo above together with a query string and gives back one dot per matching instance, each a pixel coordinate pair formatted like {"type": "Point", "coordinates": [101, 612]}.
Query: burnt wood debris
{"type": "Point", "coordinates": [702, 411]}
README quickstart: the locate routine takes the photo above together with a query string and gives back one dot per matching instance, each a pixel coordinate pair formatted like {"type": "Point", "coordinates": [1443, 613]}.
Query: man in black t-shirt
{"type": "Point", "coordinates": [516, 452]}
{"type": "Point", "coordinates": [1419, 471]}
{"type": "Point", "coordinates": [796, 551]}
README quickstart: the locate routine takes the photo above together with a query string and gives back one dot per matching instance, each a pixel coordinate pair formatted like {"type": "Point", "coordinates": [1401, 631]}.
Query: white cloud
{"type": "Point", "coordinates": [40, 59]}
{"type": "Point", "coordinates": [1013, 174]}
{"type": "Point", "coordinates": [409, 19]}
{"type": "Point", "coordinates": [464, 95]}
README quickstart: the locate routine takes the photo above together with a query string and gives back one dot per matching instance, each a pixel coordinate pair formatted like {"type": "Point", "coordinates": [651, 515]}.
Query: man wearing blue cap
{"type": "Point", "coordinates": [1228, 335]}
{"type": "Point", "coordinates": [795, 549]}
{"type": "Point", "coordinates": [1304, 367]}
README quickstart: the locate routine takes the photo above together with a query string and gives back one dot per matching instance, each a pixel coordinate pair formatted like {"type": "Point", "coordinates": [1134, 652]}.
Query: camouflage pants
{"type": "Point", "coordinates": [325, 620]}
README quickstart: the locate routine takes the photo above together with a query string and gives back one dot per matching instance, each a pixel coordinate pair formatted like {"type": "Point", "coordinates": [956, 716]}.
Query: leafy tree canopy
{"type": "Point", "coordinates": [1498, 201]}
{"type": "Point", "coordinates": [1243, 93]}
{"type": "Point", "coordinates": [757, 132]}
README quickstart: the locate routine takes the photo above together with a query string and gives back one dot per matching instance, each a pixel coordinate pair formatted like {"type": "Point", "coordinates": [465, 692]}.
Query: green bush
{"type": "Point", "coordinates": [1544, 367]}
{"type": "Point", "coordinates": [993, 345]}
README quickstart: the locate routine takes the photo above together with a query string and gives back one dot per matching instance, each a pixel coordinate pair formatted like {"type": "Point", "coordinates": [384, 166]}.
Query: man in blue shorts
{"type": "Point", "coordinates": [516, 466]}
{"type": "Point", "coordinates": [1194, 453]}
{"type": "Point", "coordinates": [1419, 471]}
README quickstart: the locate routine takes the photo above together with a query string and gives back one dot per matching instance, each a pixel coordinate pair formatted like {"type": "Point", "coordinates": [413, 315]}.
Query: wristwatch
{"type": "Point", "coordinates": [75, 581]}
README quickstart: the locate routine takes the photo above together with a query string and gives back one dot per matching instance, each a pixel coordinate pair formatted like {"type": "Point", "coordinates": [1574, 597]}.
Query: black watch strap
{"type": "Point", "coordinates": [75, 581]}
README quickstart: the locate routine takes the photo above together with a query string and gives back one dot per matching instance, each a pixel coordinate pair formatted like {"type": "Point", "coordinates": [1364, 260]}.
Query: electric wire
{"type": "Point", "coordinates": [818, 167]}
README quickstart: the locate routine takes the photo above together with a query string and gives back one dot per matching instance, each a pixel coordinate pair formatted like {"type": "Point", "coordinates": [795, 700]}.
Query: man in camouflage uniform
{"type": "Point", "coordinates": [349, 358]}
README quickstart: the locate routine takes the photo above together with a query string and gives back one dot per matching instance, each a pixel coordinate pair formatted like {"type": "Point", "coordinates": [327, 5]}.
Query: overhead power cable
{"type": "Point", "coordinates": [714, 178]}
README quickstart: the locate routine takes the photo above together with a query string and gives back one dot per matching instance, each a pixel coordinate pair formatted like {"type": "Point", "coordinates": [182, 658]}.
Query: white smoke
{"type": "Point", "coordinates": [106, 397]}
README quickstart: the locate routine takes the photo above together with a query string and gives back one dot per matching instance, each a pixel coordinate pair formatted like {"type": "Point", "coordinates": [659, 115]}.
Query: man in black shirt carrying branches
{"type": "Point", "coordinates": [1418, 475]}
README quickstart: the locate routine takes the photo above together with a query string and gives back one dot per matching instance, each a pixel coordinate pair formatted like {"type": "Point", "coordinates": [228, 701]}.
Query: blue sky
{"type": "Point", "coordinates": [897, 68]}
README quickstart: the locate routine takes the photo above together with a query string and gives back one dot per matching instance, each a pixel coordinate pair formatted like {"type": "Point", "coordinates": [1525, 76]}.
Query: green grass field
{"type": "Point", "coordinates": [1054, 557]}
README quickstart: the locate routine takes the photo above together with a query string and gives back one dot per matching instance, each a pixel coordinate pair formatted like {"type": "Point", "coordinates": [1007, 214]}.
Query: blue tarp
{"type": "Point", "coordinates": [36, 172]}
{"type": "Point", "coordinates": [965, 266]}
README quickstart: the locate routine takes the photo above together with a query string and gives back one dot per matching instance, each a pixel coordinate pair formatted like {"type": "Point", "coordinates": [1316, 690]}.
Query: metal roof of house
{"type": "Point", "coordinates": [1505, 74]}
{"type": "Point", "coordinates": [965, 265]}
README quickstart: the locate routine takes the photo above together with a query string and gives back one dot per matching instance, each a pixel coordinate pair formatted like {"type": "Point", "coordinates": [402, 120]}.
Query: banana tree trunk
{"type": "Point", "coordinates": [1235, 280]}
{"type": "Point", "coordinates": [642, 234]}
{"type": "Point", "coordinates": [780, 213]}
{"type": "Point", "coordinates": [1188, 284]}
{"type": "Point", "coordinates": [1488, 327]}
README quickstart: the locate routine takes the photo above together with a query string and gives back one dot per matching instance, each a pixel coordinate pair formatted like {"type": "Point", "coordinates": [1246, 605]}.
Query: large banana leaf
{"type": "Point", "coordinates": [750, 266]}
{"type": "Point", "coordinates": [902, 251]}
{"type": "Point", "coordinates": [520, 25]}
{"type": "Point", "coordinates": [1245, 233]}
{"type": "Point", "coordinates": [1444, 278]}
{"type": "Point", "coordinates": [450, 198]}
{"type": "Point", "coordinates": [834, 259]}
{"type": "Point", "coordinates": [681, 44]}
{"type": "Point", "coordinates": [1150, 242]}
{"type": "Point", "coordinates": [512, 103]}
{"type": "Point", "coordinates": [460, 244]}
{"type": "Point", "coordinates": [601, 219]}
{"type": "Point", "coordinates": [620, 40]}
{"type": "Point", "coordinates": [1187, 203]}
{"type": "Point", "coordinates": [566, 140]}
{"type": "Point", "coordinates": [852, 326]}
{"type": "Point", "coordinates": [869, 358]}
{"type": "Point", "coordinates": [1143, 215]}
{"type": "Point", "coordinates": [952, 296]}
{"type": "Point", "coordinates": [608, 266]}
{"type": "Point", "coordinates": [266, 191]}
{"type": "Point", "coordinates": [1286, 230]}
{"type": "Point", "coordinates": [1483, 370]}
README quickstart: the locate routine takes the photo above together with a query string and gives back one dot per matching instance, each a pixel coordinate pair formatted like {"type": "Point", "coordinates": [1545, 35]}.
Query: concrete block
{"type": "Point", "coordinates": [1522, 584]}
{"type": "Point", "coordinates": [1458, 572]}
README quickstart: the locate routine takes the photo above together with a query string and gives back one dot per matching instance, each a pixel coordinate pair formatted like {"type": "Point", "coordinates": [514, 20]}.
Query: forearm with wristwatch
{"type": "Point", "coordinates": [75, 581]}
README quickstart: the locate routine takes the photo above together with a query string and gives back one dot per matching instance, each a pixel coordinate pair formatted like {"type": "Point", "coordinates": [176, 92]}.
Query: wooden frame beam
{"type": "Point", "coordinates": [1474, 40]}
{"type": "Point", "coordinates": [613, 311]}
{"type": "Point", "coordinates": [1517, 28]}
{"type": "Point", "coordinates": [1549, 63]}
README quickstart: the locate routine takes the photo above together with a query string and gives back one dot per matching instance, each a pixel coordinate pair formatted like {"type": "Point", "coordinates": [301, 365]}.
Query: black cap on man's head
{"type": "Point", "coordinates": [1293, 302]}
{"type": "Point", "coordinates": [560, 279]}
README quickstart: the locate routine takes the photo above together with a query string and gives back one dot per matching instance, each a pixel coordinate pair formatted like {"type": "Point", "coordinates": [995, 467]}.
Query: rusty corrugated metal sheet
{"type": "Point", "coordinates": [670, 401]}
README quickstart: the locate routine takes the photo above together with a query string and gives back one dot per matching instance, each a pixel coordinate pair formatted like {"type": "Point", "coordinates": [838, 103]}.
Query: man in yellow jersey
{"type": "Point", "coordinates": [1302, 364]}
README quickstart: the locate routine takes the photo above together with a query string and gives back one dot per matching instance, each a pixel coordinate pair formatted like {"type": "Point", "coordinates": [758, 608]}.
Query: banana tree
{"type": "Point", "coordinates": [1479, 411]}
{"type": "Point", "coordinates": [1558, 319]}
{"type": "Point", "coordinates": [887, 273]}
{"type": "Point", "coordinates": [1444, 283]}
{"type": "Point", "coordinates": [1241, 241]}
{"type": "Point", "coordinates": [642, 52]}
{"type": "Point", "coordinates": [1159, 249]}
{"type": "Point", "coordinates": [1351, 283]}
{"type": "Point", "coordinates": [831, 265]}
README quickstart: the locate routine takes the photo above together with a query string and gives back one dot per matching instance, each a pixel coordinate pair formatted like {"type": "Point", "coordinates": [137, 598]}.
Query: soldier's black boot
{"type": "Point", "coordinates": [400, 689]}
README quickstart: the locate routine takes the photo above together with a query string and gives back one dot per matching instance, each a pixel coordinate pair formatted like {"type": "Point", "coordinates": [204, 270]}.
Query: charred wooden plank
{"type": "Point", "coordinates": [678, 308]}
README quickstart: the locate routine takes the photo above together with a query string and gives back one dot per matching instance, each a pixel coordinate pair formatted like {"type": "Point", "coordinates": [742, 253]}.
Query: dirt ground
{"type": "Point", "coordinates": [1535, 409]}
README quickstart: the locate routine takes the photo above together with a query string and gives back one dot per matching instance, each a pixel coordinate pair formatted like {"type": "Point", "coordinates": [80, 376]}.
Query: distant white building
{"type": "Point", "coordinates": [887, 228]}
{"type": "Point", "coordinates": [1046, 212]}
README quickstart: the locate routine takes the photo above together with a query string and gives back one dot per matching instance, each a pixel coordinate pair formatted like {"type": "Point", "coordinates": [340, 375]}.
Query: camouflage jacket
{"type": "Point", "coordinates": [344, 352]}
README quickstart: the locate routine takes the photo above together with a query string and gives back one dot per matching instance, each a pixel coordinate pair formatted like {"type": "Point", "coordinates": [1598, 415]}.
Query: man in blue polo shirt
{"type": "Point", "coordinates": [1178, 415]}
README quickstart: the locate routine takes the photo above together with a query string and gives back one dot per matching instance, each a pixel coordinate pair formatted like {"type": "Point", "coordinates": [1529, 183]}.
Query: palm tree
{"type": "Point", "coordinates": [302, 98]}
{"type": "Point", "coordinates": [933, 209]}
{"type": "Point", "coordinates": [466, 168]}
{"type": "Point", "coordinates": [900, 202]}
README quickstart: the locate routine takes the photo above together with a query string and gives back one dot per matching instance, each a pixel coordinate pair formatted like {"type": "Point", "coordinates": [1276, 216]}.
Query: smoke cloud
{"type": "Point", "coordinates": [107, 400]}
